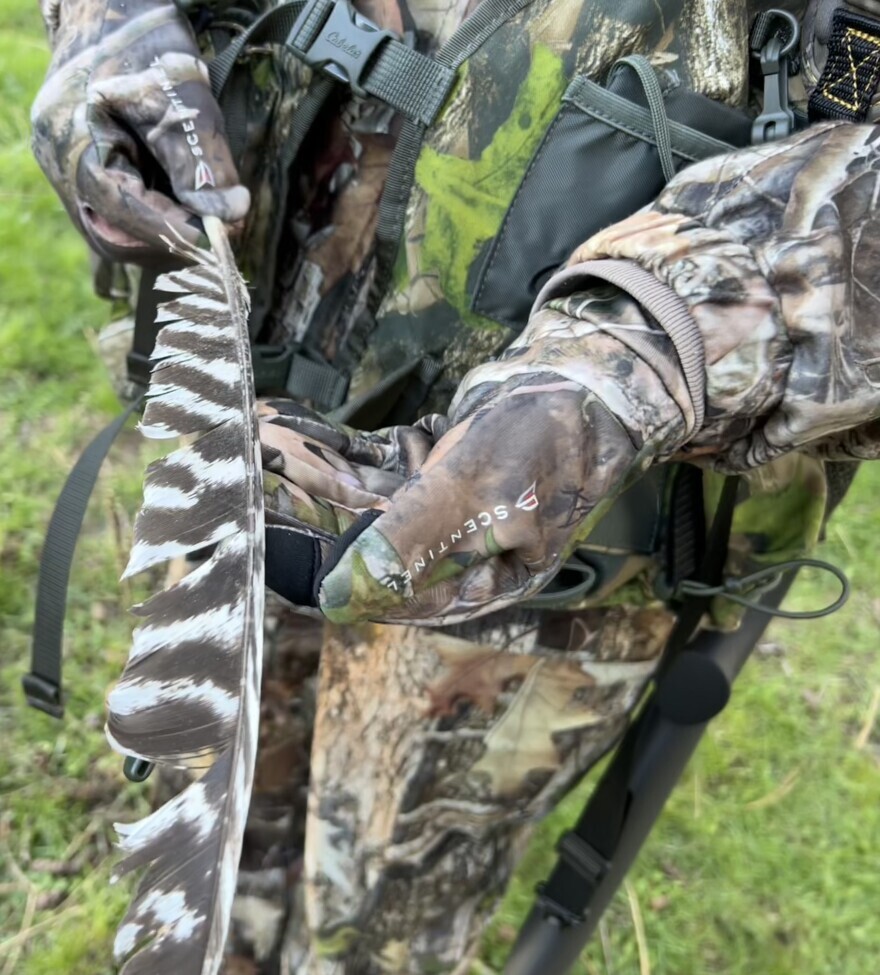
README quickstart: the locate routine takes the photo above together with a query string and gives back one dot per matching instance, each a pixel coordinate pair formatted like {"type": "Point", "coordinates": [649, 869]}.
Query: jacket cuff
{"type": "Point", "coordinates": [659, 301]}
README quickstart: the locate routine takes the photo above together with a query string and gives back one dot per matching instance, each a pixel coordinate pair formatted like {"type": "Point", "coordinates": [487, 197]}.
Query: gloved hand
{"type": "Point", "coordinates": [479, 510]}
{"type": "Point", "coordinates": [126, 128]}
{"type": "Point", "coordinates": [772, 254]}
{"type": "Point", "coordinates": [735, 320]}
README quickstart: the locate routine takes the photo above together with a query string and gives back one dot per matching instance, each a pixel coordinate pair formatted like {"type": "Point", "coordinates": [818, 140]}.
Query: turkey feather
{"type": "Point", "coordinates": [189, 695]}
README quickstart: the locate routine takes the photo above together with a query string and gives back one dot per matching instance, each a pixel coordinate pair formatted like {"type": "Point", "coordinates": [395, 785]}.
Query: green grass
{"type": "Point", "coordinates": [765, 860]}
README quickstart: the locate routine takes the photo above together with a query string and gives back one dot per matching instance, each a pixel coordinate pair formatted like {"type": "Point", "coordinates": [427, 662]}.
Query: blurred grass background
{"type": "Point", "coordinates": [766, 860]}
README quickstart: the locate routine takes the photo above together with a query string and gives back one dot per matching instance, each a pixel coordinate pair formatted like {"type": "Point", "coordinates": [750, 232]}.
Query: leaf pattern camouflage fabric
{"type": "Point", "coordinates": [725, 258]}
{"type": "Point", "coordinates": [435, 750]}
{"type": "Point", "coordinates": [752, 245]}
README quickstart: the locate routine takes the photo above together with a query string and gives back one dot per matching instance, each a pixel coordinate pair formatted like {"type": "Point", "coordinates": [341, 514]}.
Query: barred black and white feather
{"type": "Point", "coordinates": [189, 695]}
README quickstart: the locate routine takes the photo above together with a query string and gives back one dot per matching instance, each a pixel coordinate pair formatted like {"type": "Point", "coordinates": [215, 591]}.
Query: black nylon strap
{"type": "Point", "coordinates": [686, 530]}
{"type": "Point", "coordinates": [411, 83]}
{"type": "Point", "coordinates": [292, 564]}
{"type": "Point", "coordinates": [774, 23]}
{"type": "Point", "coordinates": [295, 567]}
{"type": "Point", "coordinates": [331, 37]}
{"type": "Point", "coordinates": [272, 28]}
{"type": "Point", "coordinates": [711, 570]}
{"type": "Point", "coordinates": [138, 363]}
{"type": "Point", "coordinates": [320, 382]}
{"type": "Point", "coordinates": [278, 368]}
{"type": "Point", "coordinates": [852, 70]}
{"type": "Point", "coordinates": [42, 686]}
{"type": "Point", "coordinates": [586, 853]}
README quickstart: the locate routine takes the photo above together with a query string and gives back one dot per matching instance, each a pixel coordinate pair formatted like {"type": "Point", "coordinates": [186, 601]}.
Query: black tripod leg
{"type": "Point", "coordinates": [598, 853]}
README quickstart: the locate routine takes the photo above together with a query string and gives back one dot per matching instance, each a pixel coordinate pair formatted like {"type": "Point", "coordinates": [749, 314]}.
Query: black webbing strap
{"type": "Point", "coordinates": [138, 363]}
{"type": "Point", "coordinates": [710, 573]}
{"type": "Point", "coordinates": [775, 23]}
{"type": "Point", "coordinates": [283, 369]}
{"type": "Point", "coordinates": [685, 537]}
{"type": "Point", "coordinates": [42, 686]}
{"type": "Point", "coordinates": [293, 560]}
{"type": "Point", "coordinates": [586, 852]}
{"type": "Point", "coordinates": [330, 36]}
{"type": "Point", "coordinates": [849, 80]}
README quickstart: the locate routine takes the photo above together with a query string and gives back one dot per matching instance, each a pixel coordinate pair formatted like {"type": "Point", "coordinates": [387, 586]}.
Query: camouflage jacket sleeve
{"type": "Point", "coordinates": [759, 270]}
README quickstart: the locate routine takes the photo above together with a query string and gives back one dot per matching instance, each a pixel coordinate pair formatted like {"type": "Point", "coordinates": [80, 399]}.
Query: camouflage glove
{"type": "Point", "coordinates": [451, 519]}
{"type": "Point", "coordinates": [126, 128]}
{"type": "Point", "coordinates": [320, 479]}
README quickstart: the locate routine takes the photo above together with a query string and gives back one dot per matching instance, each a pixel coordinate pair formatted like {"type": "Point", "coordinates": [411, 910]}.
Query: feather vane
{"type": "Point", "coordinates": [189, 695]}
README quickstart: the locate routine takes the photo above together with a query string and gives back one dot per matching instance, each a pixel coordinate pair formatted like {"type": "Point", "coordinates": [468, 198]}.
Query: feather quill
{"type": "Point", "coordinates": [189, 695]}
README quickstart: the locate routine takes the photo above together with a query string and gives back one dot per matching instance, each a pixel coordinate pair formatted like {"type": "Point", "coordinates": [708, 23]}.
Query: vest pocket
{"type": "Point", "coordinates": [608, 152]}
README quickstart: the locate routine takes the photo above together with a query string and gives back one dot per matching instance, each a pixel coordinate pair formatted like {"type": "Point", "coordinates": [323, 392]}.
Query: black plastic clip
{"type": "Point", "coordinates": [777, 120]}
{"type": "Point", "coordinates": [139, 368]}
{"type": "Point", "coordinates": [590, 867]}
{"type": "Point", "coordinates": [344, 45]}
{"type": "Point", "coordinates": [43, 694]}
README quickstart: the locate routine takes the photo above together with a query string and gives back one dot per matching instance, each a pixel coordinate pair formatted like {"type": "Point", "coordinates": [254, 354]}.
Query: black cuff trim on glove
{"type": "Point", "coordinates": [292, 562]}
{"type": "Point", "coordinates": [338, 550]}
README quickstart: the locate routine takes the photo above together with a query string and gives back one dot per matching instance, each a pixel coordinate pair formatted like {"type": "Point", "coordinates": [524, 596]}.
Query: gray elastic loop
{"type": "Point", "coordinates": [745, 589]}
{"type": "Point", "coordinates": [657, 108]}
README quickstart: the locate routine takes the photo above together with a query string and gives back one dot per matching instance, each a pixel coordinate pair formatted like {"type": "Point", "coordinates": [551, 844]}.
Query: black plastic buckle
{"type": "Point", "coordinates": [345, 43]}
{"type": "Point", "coordinates": [42, 694]}
{"type": "Point", "coordinates": [590, 866]}
{"type": "Point", "coordinates": [139, 368]}
{"type": "Point", "coordinates": [776, 121]}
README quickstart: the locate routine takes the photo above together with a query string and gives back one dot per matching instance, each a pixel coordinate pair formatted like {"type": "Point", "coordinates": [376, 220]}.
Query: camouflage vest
{"type": "Point", "coordinates": [415, 251]}
{"type": "Point", "coordinates": [391, 256]}
{"type": "Point", "coordinates": [382, 245]}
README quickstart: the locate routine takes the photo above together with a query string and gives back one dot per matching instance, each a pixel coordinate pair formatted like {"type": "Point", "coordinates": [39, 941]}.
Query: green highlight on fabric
{"type": "Point", "coordinates": [352, 588]}
{"type": "Point", "coordinates": [468, 198]}
{"type": "Point", "coordinates": [782, 516]}
{"type": "Point", "coordinates": [338, 943]}
{"type": "Point", "coordinates": [359, 588]}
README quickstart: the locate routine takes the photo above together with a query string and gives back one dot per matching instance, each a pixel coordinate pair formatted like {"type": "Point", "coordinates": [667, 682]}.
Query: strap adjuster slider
{"type": "Point", "coordinates": [42, 694]}
{"type": "Point", "coordinates": [556, 898]}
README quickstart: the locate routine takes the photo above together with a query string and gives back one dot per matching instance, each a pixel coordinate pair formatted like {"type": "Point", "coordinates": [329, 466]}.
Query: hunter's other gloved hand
{"type": "Point", "coordinates": [126, 128]}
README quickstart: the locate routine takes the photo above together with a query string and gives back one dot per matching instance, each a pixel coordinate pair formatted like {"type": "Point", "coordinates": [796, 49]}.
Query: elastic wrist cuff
{"type": "Point", "coordinates": [660, 302]}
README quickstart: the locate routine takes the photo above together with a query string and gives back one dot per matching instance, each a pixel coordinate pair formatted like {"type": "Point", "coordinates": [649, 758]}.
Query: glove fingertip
{"type": "Point", "coordinates": [336, 554]}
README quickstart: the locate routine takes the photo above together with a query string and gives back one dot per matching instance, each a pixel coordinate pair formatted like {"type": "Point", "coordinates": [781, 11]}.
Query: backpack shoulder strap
{"type": "Point", "coordinates": [42, 685]}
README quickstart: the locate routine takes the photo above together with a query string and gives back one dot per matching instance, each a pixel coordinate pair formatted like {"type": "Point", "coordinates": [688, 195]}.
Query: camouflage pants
{"type": "Point", "coordinates": [431, 756]}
